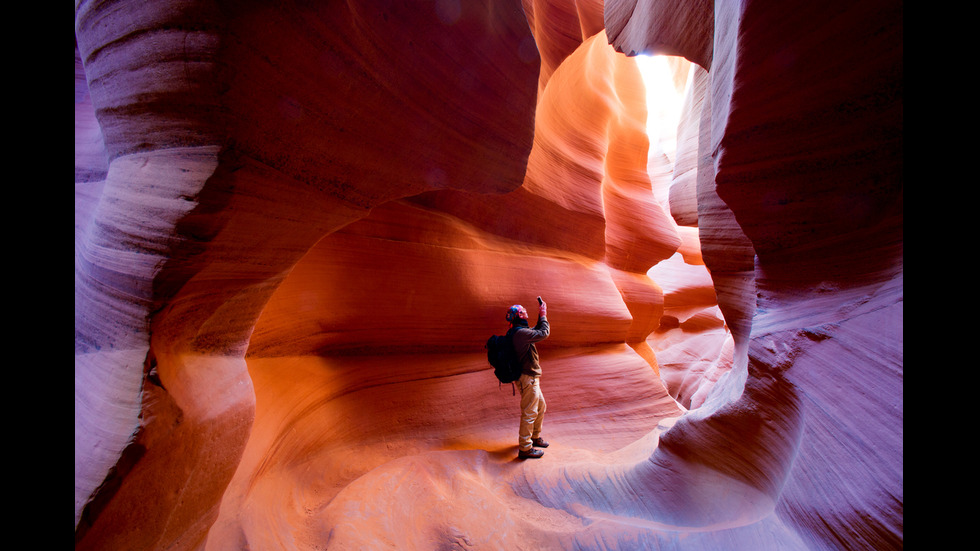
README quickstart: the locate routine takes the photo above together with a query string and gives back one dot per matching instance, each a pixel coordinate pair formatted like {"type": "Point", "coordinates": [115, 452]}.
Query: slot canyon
{"type": "Point", "coordinates": [298, 222]}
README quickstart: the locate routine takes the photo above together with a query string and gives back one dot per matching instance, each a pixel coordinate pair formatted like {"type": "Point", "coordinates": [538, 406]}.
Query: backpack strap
{"type": "Point", "coordinates": [510, 341]}
{"type": "Point", "coordinates": [510, 337]}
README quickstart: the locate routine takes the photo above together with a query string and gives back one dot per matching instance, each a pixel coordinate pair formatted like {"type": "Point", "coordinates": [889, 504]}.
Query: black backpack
{"type": "Point", "coordinates": [503, 357]}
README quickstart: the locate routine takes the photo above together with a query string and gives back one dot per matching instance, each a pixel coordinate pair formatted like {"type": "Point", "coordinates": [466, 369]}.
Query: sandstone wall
{"type": "Point", "coordinates": [799, 194]}
{"type": "Point", "coordinates": [296, 226]}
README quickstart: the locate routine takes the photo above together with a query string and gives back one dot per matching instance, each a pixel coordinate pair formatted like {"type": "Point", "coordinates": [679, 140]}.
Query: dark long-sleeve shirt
{"type": "Point", "coordinates": [524, 339]}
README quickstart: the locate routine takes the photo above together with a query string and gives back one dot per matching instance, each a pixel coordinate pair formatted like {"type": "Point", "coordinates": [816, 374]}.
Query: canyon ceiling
{"type": "Point", "coordinates": [297, 223]}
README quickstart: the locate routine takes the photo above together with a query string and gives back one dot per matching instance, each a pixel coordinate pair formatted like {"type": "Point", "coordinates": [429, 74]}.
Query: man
{"type": "Point", "coordinates": [532, 400]}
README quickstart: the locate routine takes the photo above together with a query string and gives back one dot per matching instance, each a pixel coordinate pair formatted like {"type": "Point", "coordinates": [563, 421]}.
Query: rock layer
{"type": "Point", "coordinates": [799, 194]}
{"type": "Point", "coordinates": [296, 227]}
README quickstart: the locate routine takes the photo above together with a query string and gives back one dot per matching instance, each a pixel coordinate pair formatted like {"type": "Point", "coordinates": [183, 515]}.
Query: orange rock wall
{"type": "Point", "coordinates": [296, 227]}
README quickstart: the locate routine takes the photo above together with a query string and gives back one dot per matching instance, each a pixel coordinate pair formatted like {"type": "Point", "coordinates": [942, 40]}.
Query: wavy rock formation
{"type": "Point", "coordinates": [799, 211]}
{"type": "Point", "coordinates": [295, 227]}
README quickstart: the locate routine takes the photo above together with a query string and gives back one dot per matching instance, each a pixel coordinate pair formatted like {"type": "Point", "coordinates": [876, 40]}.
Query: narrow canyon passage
{"type": "Point", "coordinates": [366, 359]}
{"type": "Point", "coordinates": [296, 226]}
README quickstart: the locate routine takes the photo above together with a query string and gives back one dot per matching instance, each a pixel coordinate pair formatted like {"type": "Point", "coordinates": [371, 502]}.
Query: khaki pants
{"type": "Point", "coordinates": [532, 410]}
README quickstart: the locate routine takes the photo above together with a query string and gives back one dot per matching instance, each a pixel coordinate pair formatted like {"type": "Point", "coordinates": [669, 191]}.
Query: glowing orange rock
{"type": "Point", "coordinates": [296, 226]}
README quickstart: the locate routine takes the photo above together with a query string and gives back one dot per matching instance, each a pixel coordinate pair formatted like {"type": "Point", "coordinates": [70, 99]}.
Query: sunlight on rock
{"type": "Point", "coordinates": [297, 224]}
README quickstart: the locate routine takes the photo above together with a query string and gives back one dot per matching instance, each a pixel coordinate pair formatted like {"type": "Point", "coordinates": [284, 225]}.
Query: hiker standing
{"type": "Point", "coordinates": [532, 400]}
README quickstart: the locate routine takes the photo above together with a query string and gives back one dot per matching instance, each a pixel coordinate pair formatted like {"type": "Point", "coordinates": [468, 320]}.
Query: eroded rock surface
{"type": "Point", "coordinates": [296, 226]}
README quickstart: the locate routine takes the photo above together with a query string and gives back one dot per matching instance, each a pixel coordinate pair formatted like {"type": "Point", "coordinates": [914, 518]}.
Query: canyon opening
{"type": "Point", "coordinates": [296, 224]}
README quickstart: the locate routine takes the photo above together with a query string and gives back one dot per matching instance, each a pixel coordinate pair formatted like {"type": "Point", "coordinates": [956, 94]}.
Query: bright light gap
{"type": "Point", "coordinates": [664, 103]}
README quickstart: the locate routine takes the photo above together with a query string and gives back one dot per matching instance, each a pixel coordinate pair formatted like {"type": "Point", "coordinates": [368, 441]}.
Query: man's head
{"type": "Point", "coordinates": [516, 312]}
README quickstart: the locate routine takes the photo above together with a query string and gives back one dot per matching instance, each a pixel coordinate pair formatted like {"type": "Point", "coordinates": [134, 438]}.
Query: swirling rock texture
{"type": "Point", "coordinates": [295, 226]}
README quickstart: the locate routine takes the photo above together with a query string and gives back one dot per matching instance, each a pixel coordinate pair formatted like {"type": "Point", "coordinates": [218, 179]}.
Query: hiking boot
{"type": "Point", "coordinates": [539, 443]}
{"type": "Point", "coordinates": [530, 454]}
